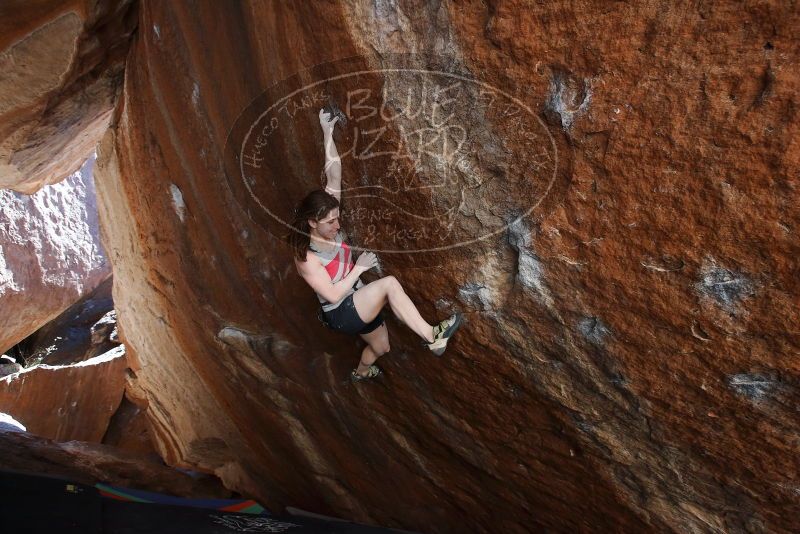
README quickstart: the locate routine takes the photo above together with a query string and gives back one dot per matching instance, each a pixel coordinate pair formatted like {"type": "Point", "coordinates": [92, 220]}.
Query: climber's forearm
{"type": "Point", "coordinates": [333, 167]}
{"type": "Point", "coordinates": [341, 287]}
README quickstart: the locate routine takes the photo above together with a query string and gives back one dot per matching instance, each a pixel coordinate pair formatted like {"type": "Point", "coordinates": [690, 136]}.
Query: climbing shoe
{"type": "Point", "coordinates": [442, 333]}
{"type": "Point", "coordinates": [373, 372]}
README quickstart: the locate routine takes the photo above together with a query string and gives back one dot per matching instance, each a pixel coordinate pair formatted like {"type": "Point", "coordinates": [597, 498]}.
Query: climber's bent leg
{"type": "Point", "coordinates": [377, 346]}
{"type": "Point", "coordinates": [370, 299]}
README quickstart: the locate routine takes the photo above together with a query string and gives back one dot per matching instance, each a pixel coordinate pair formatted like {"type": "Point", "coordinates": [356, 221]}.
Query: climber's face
{"type": "Point", "coordinates": [328, 226]}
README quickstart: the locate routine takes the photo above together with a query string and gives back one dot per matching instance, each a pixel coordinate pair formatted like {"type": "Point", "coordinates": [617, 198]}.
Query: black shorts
{"type": "Point", "coordinates": [344, 318]}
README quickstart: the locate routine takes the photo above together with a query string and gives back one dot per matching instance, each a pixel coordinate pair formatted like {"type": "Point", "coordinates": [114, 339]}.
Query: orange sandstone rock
{"type": "Point", "coordinates": [68, 402]}
{"type": "Point", "coordinates": [50, 254]}
{"type": "Point", "coordinates": [129, 430]}
{"type": "Point", "coordinates": [653, 282]}
{"type": "Point", "coordinates": [62, 64]}
{"type": "Point", "coordinates": [92, 463]}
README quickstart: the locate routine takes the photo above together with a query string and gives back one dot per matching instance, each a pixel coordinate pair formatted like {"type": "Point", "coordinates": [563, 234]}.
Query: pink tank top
{"type": "Point", "coordinates": [338, 262]}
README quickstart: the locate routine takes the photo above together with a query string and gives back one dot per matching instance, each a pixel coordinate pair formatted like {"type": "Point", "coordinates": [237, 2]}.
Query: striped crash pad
{"type": "Point", "coordinates": [239, 506]}
{"type": "Point", "coordinates": [35, 504]}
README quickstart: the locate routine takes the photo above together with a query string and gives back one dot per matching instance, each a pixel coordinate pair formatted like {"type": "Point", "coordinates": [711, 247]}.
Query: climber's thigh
{"type": "Point", "coordinates": [371, 298]}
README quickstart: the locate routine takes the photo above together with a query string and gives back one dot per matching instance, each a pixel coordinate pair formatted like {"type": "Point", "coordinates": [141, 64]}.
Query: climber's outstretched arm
{"type": "Point", "coordinates": [333, 164]}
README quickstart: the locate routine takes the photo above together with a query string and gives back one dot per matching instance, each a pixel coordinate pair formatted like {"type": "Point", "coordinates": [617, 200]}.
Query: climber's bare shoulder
{"type": "Point", "coordinates": [311, 264]}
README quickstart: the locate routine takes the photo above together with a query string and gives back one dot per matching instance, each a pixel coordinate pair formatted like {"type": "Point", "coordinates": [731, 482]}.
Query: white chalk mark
{"type": "Point", "coordinates": [699, 333]}
{"type": "Point", "coordinates": [177, 201]}
{"type": "Point", "coordinates": [571, 261]}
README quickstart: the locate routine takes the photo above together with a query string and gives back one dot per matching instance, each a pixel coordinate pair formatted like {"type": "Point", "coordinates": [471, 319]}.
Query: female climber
{"type": "Point", "coordinates": [325, 261]}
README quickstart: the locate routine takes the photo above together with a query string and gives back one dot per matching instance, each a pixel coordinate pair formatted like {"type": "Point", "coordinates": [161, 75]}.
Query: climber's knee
{"type": "Point", "coordinates": [380, 348]}
{"type": "Point", "coordinates": [392, 284]}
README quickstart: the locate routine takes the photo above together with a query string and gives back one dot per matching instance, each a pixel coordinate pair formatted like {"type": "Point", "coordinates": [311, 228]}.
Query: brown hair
{"type": "Point", "coordinates": [314, 206]}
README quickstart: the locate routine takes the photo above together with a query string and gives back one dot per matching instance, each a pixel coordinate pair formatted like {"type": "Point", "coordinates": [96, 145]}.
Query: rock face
{"type": "Point", "coordinates": [69, 402]}
{"type": "Point", "coordinates": [61, 400]}
{"type": "Point", "coordinates": [90, 463]}
{"type": "Point", "coordinates": [62, 64]}
{"type": "Point", "coordinates": [86, 329]}
{"type": "Point", "coordinates": [129, 430]}
{"type": "Point", "coordinates": [8, 366]}
{"type": "Point", "coordinates": [621, 198]}
{"type": "Point", "coordinates": [50, 253]}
